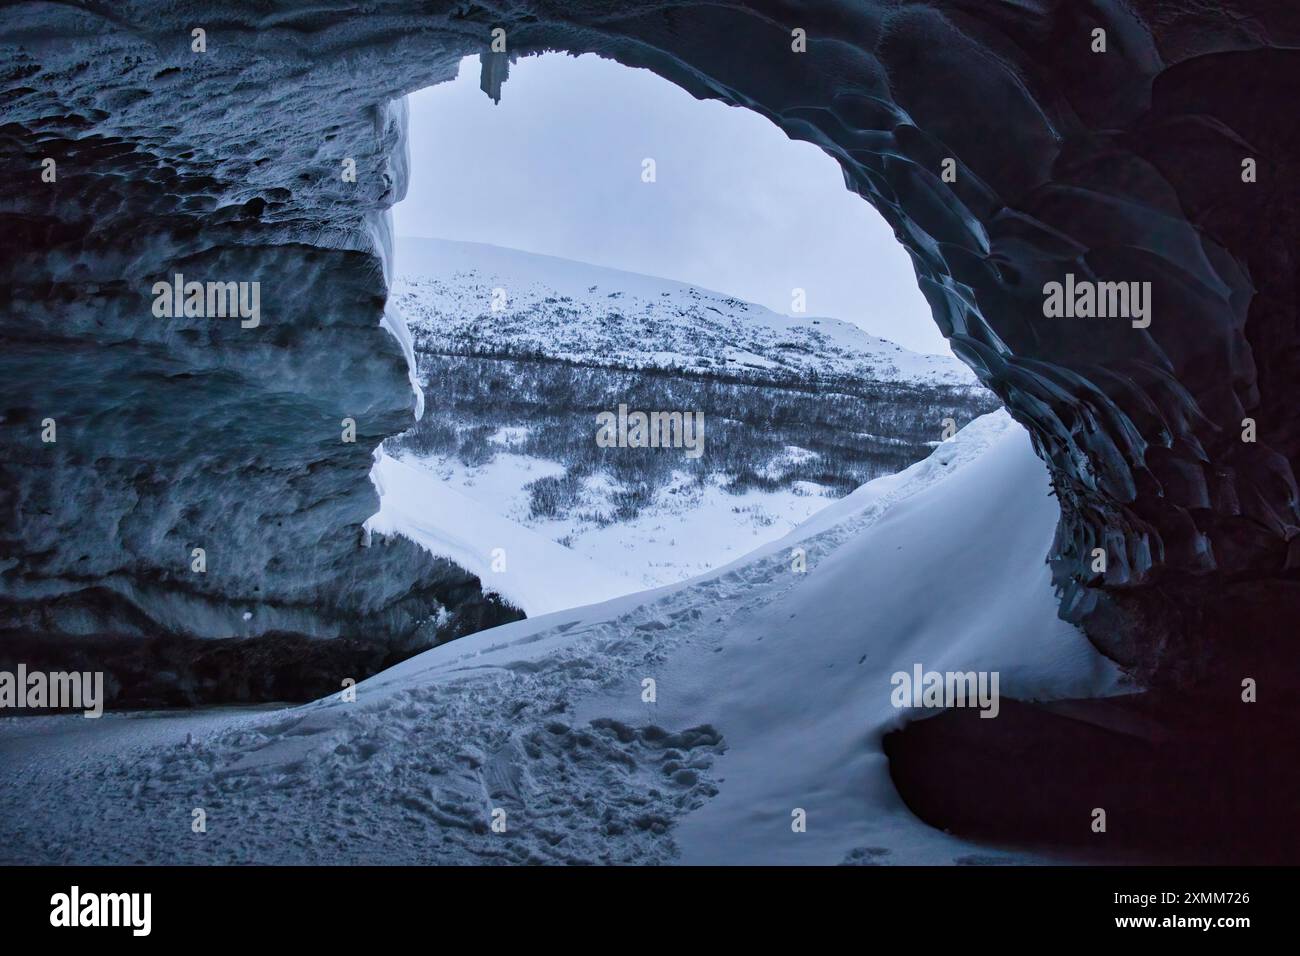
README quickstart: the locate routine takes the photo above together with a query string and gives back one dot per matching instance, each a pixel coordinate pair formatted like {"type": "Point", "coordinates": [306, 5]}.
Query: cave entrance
{"type": "Point", "coordinates": [653, 332]}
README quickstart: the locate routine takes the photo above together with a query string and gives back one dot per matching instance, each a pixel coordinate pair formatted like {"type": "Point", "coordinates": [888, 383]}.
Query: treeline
{"type": "Point", "coordinates": [856, 430]}
{"type": "Point", "coordinates": [429, 342]}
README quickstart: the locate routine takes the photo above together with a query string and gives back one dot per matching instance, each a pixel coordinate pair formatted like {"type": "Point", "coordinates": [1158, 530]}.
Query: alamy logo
{"type": "Point", "coordinates": [213, 300]}
{"type": "Point", "coordinates": [923, 688]}
{"type": "Point", "coordinates": [652, 430]}
{"type": "Point", "coordinates": [1100, 300]}
{"type": "Point", "coordinates": [57, 690]}
{"type": "Point", "coordinates": [75, 908]}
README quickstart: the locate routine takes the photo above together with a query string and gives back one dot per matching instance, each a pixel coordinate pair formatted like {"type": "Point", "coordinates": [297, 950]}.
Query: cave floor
{"type": "Point", "coordinates": [537, 741]}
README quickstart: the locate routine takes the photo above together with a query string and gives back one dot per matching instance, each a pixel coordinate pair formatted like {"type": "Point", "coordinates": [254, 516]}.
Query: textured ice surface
{"type": "Point", "coordinates": [1124, 166]}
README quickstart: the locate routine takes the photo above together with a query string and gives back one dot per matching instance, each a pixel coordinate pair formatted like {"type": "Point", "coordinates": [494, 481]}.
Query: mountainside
{"type": "Point", "coordinates": [794, 412]}
{"type": "Point", "coordinates": [448, 292]}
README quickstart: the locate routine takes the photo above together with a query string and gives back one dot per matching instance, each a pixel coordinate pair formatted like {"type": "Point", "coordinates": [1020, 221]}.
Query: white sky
{"type": "Point", "coordinates": [737, 207]}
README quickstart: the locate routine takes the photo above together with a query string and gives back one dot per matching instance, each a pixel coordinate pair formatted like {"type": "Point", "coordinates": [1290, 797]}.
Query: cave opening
{"type": "Point", "coordinates": [1131, 165]}
{"type": "Point", "coordinates": [653, 332]}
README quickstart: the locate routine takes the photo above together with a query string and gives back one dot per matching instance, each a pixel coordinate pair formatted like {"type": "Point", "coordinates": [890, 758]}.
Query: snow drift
{"type": "Point", "coordinates": [772, 691]}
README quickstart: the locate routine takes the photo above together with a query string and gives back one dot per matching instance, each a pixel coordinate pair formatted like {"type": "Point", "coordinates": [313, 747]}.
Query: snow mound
{"type": "Point", "coordinates": [771, 694]}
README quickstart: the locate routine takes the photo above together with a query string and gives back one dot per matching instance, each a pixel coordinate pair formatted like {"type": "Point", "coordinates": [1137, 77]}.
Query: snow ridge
{"type": "Point", "coordinates": [772, 694]}
{"type": "Point", "coordinates": [581, 312]}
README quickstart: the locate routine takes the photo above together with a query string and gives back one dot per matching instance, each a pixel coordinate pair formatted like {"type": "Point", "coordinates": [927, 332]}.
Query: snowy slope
{"type": "Point", "coordinates": [578, 311]}
{"type": "Point", "coordinates": [772, 694]}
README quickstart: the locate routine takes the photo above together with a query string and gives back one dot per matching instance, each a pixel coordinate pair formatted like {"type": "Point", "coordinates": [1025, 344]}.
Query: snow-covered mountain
{"type": "Point", "coordinates": [473, 297]}
{"type": "Point", "coordinates": [516, 351]}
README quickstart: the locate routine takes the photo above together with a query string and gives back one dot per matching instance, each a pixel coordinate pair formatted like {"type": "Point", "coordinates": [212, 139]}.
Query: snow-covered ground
{"type": "Point", "coordinates": [465, 513]}
{"type": "Point", "coordinates": [469, 295]}
{"type": "Point", "coordinates": [530, 571]}
{"type": "Point", "coordinates": [772, 694]}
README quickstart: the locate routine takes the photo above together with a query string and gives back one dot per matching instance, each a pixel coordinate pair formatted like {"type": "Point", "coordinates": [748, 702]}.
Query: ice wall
{"type": "Point", "coordinates": [1122, 165]}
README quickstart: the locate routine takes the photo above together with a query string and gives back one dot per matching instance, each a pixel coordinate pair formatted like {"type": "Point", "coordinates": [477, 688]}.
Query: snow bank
{"type": "Point", "coordinates": [942, 564]}
{"type": "Point", "coordinates": [772, 694]}
{"type": "Point", "coordinates": [953, 577]}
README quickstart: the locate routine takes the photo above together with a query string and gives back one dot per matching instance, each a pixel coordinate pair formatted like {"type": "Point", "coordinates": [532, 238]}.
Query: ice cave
{"type": "Point", "coordinates": [1005, 150]}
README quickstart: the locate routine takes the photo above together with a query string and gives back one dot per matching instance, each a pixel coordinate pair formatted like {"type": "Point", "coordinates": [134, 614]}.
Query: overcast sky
{"type": "Point", "coordinates": [736, 207]}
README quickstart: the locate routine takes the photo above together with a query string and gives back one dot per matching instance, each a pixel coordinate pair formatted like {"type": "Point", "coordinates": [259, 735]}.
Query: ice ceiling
{"type": "Point", "coordinates": [1123, 165]}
